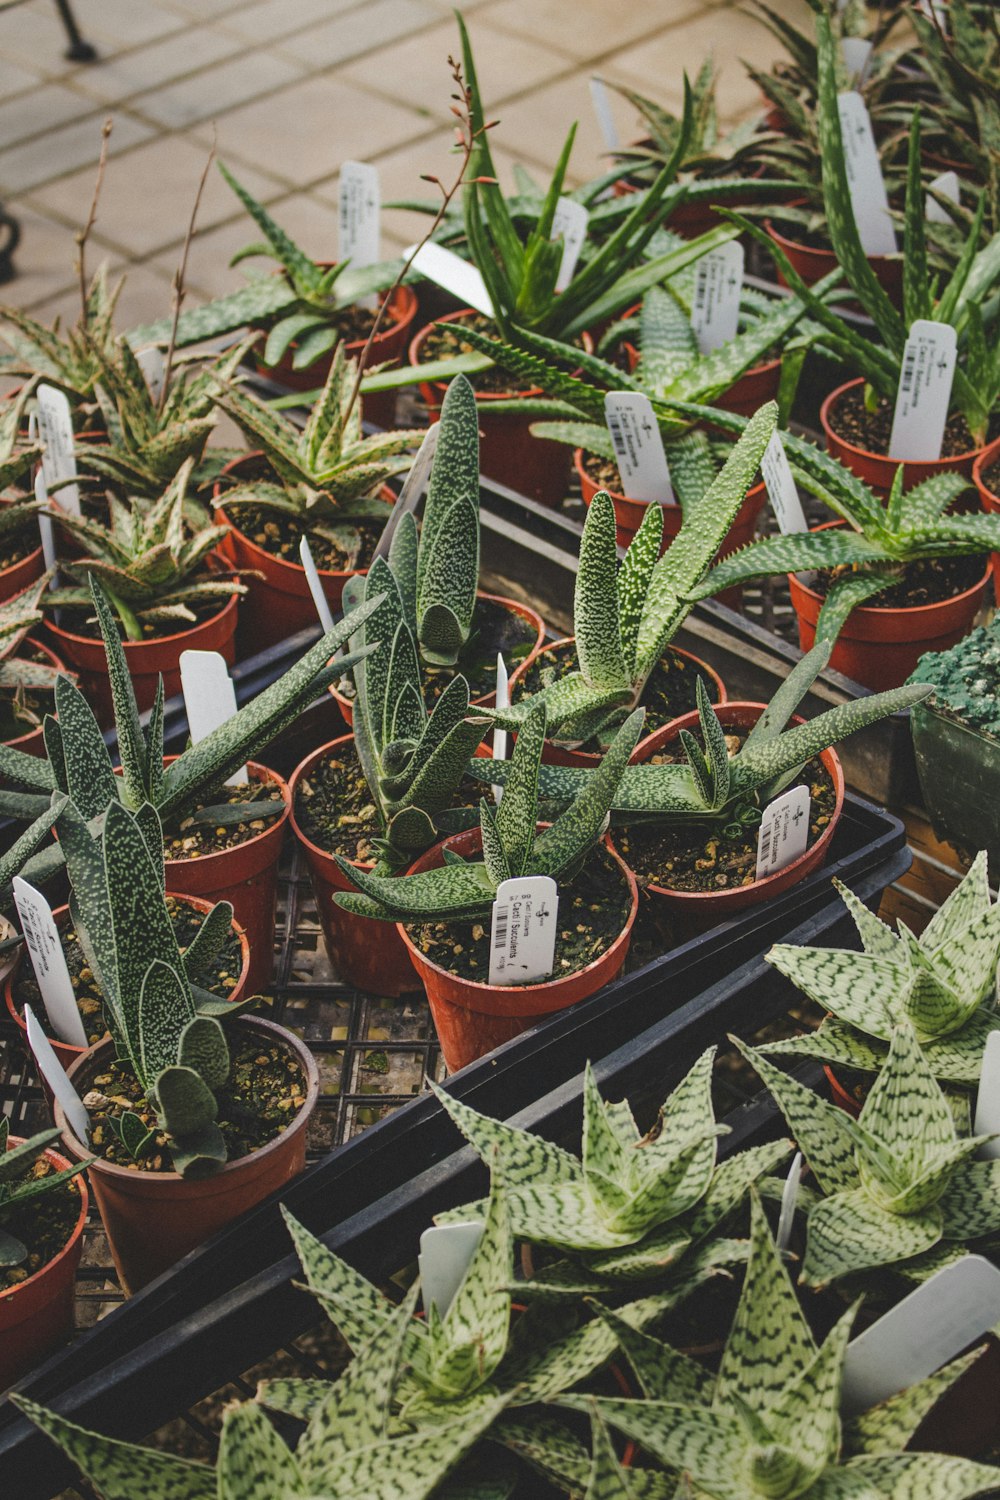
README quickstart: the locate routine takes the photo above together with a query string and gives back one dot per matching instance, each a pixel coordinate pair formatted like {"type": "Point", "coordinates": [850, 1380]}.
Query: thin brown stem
{"type": "Point", "coordinates": [180, 289]}
{"type": "Point", "coordinates": [83, 234]}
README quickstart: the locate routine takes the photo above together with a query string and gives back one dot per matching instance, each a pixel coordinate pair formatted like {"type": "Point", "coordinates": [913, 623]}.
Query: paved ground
{"type": "Point", "coordinates": [289, 89]}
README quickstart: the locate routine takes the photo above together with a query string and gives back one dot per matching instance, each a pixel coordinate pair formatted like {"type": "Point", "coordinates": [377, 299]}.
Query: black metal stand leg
{"type": "Point", "coordinates": [12, 234]}
{"type": "Point", "coordinates": [78, 50]}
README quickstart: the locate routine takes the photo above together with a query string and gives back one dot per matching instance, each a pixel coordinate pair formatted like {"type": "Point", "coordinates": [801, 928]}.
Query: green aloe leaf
{"type": "Point", "coordinates": [254, 1463]}
{"type": "Point", "coordinates": [595, 600]}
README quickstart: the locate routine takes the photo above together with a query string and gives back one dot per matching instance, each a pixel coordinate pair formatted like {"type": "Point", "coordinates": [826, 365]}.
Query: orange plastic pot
{"type": "Point", "coordinates": [813, 264]}
{"type": "Point", "coordinates": [472, 1018]}
{"type": "Point", "coordinates": [559, 755]}
{"type": "Point", "coordinates": [881, 647]}
{"type": "Point", "coordinates": [485, 700]}
{"type": "Point", "coordinates": [877, 469]}
{"type": "Point", "coordinates": [20, 574]}
{"type": "Point", "coordinates": [278, 603]}
{"type": "Point", "coordinates": [989, 498]}
{"type": "Point", "coordinates": [508, 453]}
{"type": "Point", "coordinates": [840, 1095]}
{"type": "Point", "coordinates": [147, 660]}
{"type": "Point", "coordinates": [37, 1314]}
{"type": "Point", "coordinates": [698, 911]}
{"type": "Point", "coordinates": [33, 742]}
{"type": "Point", "coordinates": [365, 952]}
{"type": "Point", "coordinates": [153, 1218]}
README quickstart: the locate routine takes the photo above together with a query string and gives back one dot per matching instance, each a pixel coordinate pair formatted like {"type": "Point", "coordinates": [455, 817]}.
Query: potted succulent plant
{"type": "Point", "coordinates": [28, 670]}
{"type": "Point", "coordinates": [21, 560]}
{"type": "Point", "coordinates": [69, 360]}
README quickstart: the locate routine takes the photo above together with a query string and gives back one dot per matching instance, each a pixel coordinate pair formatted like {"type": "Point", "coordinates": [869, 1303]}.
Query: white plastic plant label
{"type": "Point", "coordinates": [987, 1120]}
{"type": "Point", "coordinates": [935, 10]}
{"type": "Point", "coordinates": [921, 413]}
{"type": "Point", "coordinates": [856, 52]}
{"type": "Point", "coordinates": [951, 1310]}
{"type": "Point", "coordinates": [46, 526]}
{"type": "Point", "coordinates": [718, 285]}
{"type": "Point", "coordinates": [314, 581]}
{"type": "Point", "coordinates": [360, 207]}
{"type": "Point", "coordinates": [782, 490]}
{"type": "Point", "coordinates": [55, 429]}
{"type": "Point", "coordinates": [209, 697]}
{"type": "Point", "coordinates": [569, 220]}
{"type": "Point", "coordinates": [638, 447]}
{"type": "Point", "coordinates": [445, 268]}
{"type": "Point", "coordinates": [523, 930]}
{"type": "Point", "coordinates": [54, 1074]}
{"type": "Point", "coordinates": [410, 495]}
{"type": "Point", "coordinates": [789, 1198]}
{"type": "Point", "coordinates": [445, 1255]}
{"type": "Point", "coordinates": [784, 831]}
{"type": "Point", "coordinates": [500, 735]}
{"type": "Point", "coordinates": [601, 100]}
{"type": "Point", "coordinates": [49, 963]}
{"type": "Point", "coordinates": [152, 363]}
{"type": "Point", "coordinates": [947, 184]}
{"type": "Point", "coordinates": [864, 176]}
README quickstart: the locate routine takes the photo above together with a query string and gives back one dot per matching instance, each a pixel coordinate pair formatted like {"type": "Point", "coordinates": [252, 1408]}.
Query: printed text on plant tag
{"type": "Point", "coordinates": [718, 284]}
{"type": "Point", "coordinates": [638, 447]}
{"type": "Point", "coordinates": [449, 270]}
{"type": "Point", "coordinates": [784, 831]}
{"type": "Point", "coordinates": [569, 220]}
{"type": "Point", "coordinates": [359, 205]}
{"type": "Point", "coordinates": [781, 488]}
{"type": "Point", "coordinates": [864, 176]}
{"type": "Point", "coordinates": [523, 930]}
{"type": "Point", "coordinates": [55, 428]}
{"type": "Point", "coordinates": [918, 421]}
{"type": "Point", "coordinates": [49, 963]}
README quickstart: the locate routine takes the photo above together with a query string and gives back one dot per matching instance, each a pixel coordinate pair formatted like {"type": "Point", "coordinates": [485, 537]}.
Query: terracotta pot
{"type": "Point", "coordinates": [37, 1314]}
{"type": "Point", "coordinates": [472, 1018]}
{"type": "Point", "coordinates": [698, 911]}
{"type": "Point", "coordinates": [558, 755]}
{"type": "Point", "coordinates": [840, 1094]}
{"type": "Point", "coordinates": [20, 574]}
{"type": "Point", "coordinates": [247, 876]}
{"type": "Point", "coordinates": [387, 347]}
{"type": "Point", "coordinates": [278, 604]}
{"type": "Point", "coordinates": [508, 454]}
{"type": "Point", "coordinates": [485, 700]}
{"type": "Point", "coordinates": [813, 264]}
{"type": "Point", "coordinates": [881, 647]}
{"type": "Point", "coordinates": [153, 1218]}
{"type": "Point", "coordinates": [756, 386]}
{"type": "Point", "coordinates": [366, 953]}
{"type": "Point", "coordinates": [877, 469]}
{"type": "Point", "coordinates": [33, 741]}
{"type": "Point", "coordinates": [989, 498]}
{"type": "Point", "coordinates": [691, 220]}
{"type": "Point", "coordinates": [147, 660]}
{"type": "Point", "coordinates": [68, 1054]}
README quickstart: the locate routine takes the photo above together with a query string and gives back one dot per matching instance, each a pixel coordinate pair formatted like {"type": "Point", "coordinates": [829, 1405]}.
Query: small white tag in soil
{"type": "Point", "coordinates": [601, 100]}
{"type": "Point", "coordinates": [951, 1310]}
{"type": "Point", "coordinates": [315, 583]}
{"type": "Point", "coordinates": [988, 1098]}
{"type": "Point", "coordinates": [570, 220]}
{"type": "Point", "coordinates": [449, 270]}
{"type": "Point", "coordinates": [46, 526]}
{"type": "Point", "coordinates": [718, 285]}
{"type": "Point", "coordinates": [856, 52]}
{"type": "Point", "coordinates": [209, 697]}
{"type": "Point", "coordinates": [500, 735]}
{"type": "Point", "coordinates": [638, 447]}
{"type": "Point", "coordinates": [523, 930]}
{"type": "Point", "coordinates": [360, 206]}
{"type": "Point", "coordinates": [412, 492]}
{"type": "Point", "coordinates": [789, 1198]}
{"type": "Point", "coordinates": [946, 183]}
{"type": "Point", "coordinates": [49, 963]}
{"type": "Point", "coordinates": [781, 487]}
{"type": "Point", "coordinates": [784, 831]}
{"type": "Point", "coordinates": [864, 176]}
{"type": "Point", "coordinates": [924, 393]}
{"type": "Point", "coordinates": [54, 1074]}
{"type": "Point", "coordinates": [445, 1255]}
{"type": "Point", "coordinates": [55, 428]}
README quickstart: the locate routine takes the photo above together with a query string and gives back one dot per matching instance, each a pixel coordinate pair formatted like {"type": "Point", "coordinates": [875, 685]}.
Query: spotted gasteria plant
{"type": "Point", "coordinates": [943, 983]}
{"type": "Point", "coordinates": [768, 1424]}
{"type": "Point", "coordinates": [512, 845]}
{"type": "Point", "coordinates": [899, 1184]}
{"type": "Point", "coordinates": [17, 1188]}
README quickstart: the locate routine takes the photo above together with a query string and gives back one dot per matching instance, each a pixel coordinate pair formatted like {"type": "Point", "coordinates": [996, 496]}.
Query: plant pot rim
{"type": "Point", "coordinates": [986, 458]}
{"type": "Point", "coordinates": [420, 338]}
{"type": "Point", "coordinates": [257, 772]}
{"type": "Point", "coordinates": [298, 1122]}
{"type": "Point", "coordinates": [56, 661]}
{"type": "Point", "coordinates": [394, 316]}
{"type": "Point", "coordinates": [61, 1163]}
{"type": "Point", "coordinates": [738, 709]}
{"type": "Point", "coordinates": [758, 490]}
{"type": "Point", "coordinates": [300, 772]}
{"type": "Point", "coordinates": [477, 987]}
{"type": "Point", "coordinates": [953, 461]}
{"type": "Point", "coordinates": [61, 633]}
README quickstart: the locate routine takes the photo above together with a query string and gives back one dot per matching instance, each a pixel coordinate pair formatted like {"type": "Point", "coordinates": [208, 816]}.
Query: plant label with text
{"type": "Point", "coordinates": [445, 268]}
{"type": "Point", "coordinates": [359, 224]}
{"type": "Point", "coordinates": [569, 220]}
{"type": "Point", "coordinates": [951, 1310]}
{"type": "Point", "coordinates": [55, 429]}
{"type": "Point", "coordinates": [784, 831]}
{"type": "Point", "coordinates": [523, 930]}
{"type": "Point", "coordinates": [500, 735]}
{"type": "Point", "coordinates": [869, 198]}
{"type": "Point", "coordinates": [856, 52]}
{"type": "Point", "coordinates": [635, 436]}
{"type": "Point", "coordinates": [782, 490]}
{"type": "Point", "coordinates": [445, 1255]}
{"type": "Point", "coordinates": [947, 184]}
{"type": "Point", "coordinates": [718, 286]}
{"type": "Point", "coordinates": [49, 963]}
{"type": "Point", "coordinates": [54, 1074]}
{"type": "Point", "coordinates": [924, 394]}
{"type": "Point", "coordinates": [987, 1119]}
{"type": "Point", "coordinates": [209, 697]}
{"type": "Point", "coordinates": [315, 583]}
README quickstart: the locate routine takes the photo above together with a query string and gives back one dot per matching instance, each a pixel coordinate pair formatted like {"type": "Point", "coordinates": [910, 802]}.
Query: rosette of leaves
{"type": "Point", "coordinates": [19, 675]}
{"type": "Point", "coordinates": [769, 1422]}
{"type": "Point", "coordinates": [942, 983]}
{"type": "Point", "coordinates": [710, 784]}
{"type": "Point", "coordinates": [77, 762]}
{"type": "Point", "coordinates": [16, 1191]}
{"type": "Point", "coordinates": [461, 890]}
{"type": "Point", "coordinates": [325, 475]}
{"type": "Point", "coordinates": [17, 458]}
{"type": "Point", "coordinates": [900, 1188]}
{"type": "Point", "coordinates": [70, 360]}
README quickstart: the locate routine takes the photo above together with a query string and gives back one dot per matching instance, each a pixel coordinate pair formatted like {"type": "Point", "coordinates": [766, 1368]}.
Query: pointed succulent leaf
{"type": "Point", "coordinates": [918, 1476]}
{"type": "Point", "coordinates": [663, 1373]}
{"type": "Point", "coordinates": [254, 1463]}
{"type": "Point", "coordinates": [905, 1109]}
{"type": "Point", "coordinates": [517, 814]}
{"type": "Point", "coordinates": [595, 599]}
{"type": "Point", "coordinates": [90, 778]}
{"type": "Point", "coordinates": [824, 1133]}
{"type": "Point", "coordinates": [971, 1202]}
{"type": "Point", "coordinates": [494, 856]}
{"type": "Point", "coordinates": [707, 1445]}
{"type": "Point", "coordinates": [876, 938]}
{"type": "Point", "coordinates": [474, 1329]}
{"type": "Point", "coordinates": [203, 1048]}
{"type": "Point", "coordinates": [449, 893]}
{"type": "Point", "coordinates": [857, 988]}
{"type": "Point", "coordinates": [362, 1312]}
{"type": "Point", "coordinates": [968, 901]}
{"type": "Point", "coordinates": [608, 1480]}
{"type": "Point", "coordinates": [410, 1467]}
{"type": "Point", "coordinates": [731, 1181]}
{"type": "Point", "coordinates": [633, 584]}
{"type": "Point", "coordinates": [576, 830]}
{"type": "Point", "coordinates": [850, 1232]}
{"type": "Point", "coordinates": [165, 1009]}
{"type": "Point", "coordinates": [527, 1160]}
{"type": "Point", "coordinates": [446, 601]}
{"type": "Point", "coordinates": [454, 482]}
{"type": "Point", "coordinates": [806, 1418]}
{"type": "Point", "coordinates": [888, 1427]}
{"type": "Point", "coordinates": [208, 940]}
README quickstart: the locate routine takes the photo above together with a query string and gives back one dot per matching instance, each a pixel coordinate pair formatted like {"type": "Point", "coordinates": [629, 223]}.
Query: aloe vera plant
{"type": "Point", "coordinates": [17, 1189]}
{"type": "Point", "coordinates": [900, 1184]}
{"type": "Point", "coordinates": [769, 1423]}
{"type": "Point", "coordinates": [942, 983]}
{"type": "Point", "coordinates": [20, 675]}
{"type": "Point", "coordinates": [70, 360]}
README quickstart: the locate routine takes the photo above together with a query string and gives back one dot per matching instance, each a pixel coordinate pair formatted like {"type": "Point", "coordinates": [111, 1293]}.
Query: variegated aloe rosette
{"type": "Point", "coordinates": [28, 671]}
